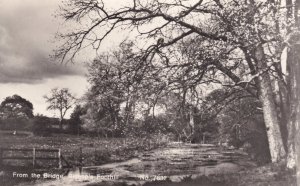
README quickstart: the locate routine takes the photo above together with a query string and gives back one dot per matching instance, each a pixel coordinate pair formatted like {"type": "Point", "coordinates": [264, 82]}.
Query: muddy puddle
{"type": "Point", "coordinates": [174, 164]}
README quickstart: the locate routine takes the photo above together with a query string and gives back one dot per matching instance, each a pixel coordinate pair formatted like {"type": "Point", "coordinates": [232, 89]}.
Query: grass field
{"type": "Point", "coordinates": [82, 150]}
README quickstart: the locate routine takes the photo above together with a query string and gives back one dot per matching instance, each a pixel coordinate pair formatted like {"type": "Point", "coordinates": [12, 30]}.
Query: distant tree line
{"type": "Point", "coordinates": [16, 114]}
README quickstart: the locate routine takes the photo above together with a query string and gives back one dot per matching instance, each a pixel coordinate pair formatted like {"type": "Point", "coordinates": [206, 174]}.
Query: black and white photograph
{"type": "Point", "coordinates": [149, 92]}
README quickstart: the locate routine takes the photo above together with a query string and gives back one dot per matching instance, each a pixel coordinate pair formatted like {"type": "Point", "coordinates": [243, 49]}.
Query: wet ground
{"type": "Point", "coordinates": [171, 165]}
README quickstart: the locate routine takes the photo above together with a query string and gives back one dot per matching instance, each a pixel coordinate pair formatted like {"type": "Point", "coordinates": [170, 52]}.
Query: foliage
{"type": "Point", "coordinates": [157, 124]}
{"type": "Point", "coordinates": [16, 106]}
{"type": "Point", "coordinates": [149, 125]}
{"type": "Point", "coordinates": [15, 113]}
{"type": "Point", "coordinates": [177, 114]}
{"type": "Point", "coordinates": [114, 81]}
{"type": "Point", "coordinates": [238, 121]}
{"type": "Point", "coordinates": [76, 122]}
{"type": "Point", "coordinates": [97, 120]}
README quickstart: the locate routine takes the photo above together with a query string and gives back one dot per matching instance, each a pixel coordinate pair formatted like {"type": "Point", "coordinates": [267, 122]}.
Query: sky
{"type": "Point", "coordinates": [27, 39]}
{"type": "Point", "coordinates": [27, 29]}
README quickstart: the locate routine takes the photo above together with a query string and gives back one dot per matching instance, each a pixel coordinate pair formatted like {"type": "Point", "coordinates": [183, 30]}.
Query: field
{"type": "Point", "coordinates": [82, 150]}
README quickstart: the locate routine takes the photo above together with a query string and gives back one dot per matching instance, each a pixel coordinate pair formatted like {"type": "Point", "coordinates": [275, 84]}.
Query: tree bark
{"type": "Point", "coordinates": [269, 109]}
{"type": "Point", "coordinates": [293, 61]}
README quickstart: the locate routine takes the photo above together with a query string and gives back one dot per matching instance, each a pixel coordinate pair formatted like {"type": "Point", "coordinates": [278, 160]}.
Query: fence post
{"type": "Point", "coordinates": [33, 157]}
{"type": "Point", "coordinates": [1, 155]}
{"type": "Point", "coordinates": [59, 159]}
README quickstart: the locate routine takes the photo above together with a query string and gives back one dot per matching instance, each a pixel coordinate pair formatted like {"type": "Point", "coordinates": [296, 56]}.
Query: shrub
{"type": "Point", "coordinates": [157, 124]}
{"type": "Point", "coordinates": [42, 126]}
{"type": "Point", "coordinates": [75, 123]}
{"type": "Point", "coordinates": [14, 124]}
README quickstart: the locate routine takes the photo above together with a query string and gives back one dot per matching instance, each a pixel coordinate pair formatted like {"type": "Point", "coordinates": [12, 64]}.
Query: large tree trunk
{"type": "Point", "coordinates": [283, 108]}
{"type": "Point", "coordinates": [191, 117]}
{"type": "Point", "coordinates": [269, 109]}
{"type": "Point", "coordinates": [293, 82]}
{"type": "Point", "coordinates": [271, 121]}
{"type": "Point", "coordinates": [293, 61]}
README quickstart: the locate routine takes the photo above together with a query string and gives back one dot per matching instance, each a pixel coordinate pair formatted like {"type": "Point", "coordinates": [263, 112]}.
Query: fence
{"type": "Point", "coordinates": [34, 157]}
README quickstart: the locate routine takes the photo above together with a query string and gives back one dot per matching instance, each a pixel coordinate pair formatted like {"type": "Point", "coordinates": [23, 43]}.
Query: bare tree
{"type": "Point", "coordinates": [61, 100]}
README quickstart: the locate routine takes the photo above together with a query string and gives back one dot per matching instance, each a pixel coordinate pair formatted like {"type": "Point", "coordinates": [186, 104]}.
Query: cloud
{"type": "Point", "coordinates": [26, 29]}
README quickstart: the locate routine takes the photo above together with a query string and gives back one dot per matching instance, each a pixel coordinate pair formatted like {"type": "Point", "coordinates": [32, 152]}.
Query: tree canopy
{"type": "Point", "coordinates": [16, 106]}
